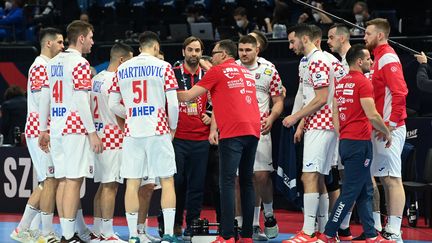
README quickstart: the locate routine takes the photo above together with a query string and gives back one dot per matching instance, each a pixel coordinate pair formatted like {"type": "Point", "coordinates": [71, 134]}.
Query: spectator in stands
{"type": "Point", "coordinates": [44, 13]}
{"type": "Point", "coordinates": [281, 13]}
{"type": "Point", "coordinates": [195, 14]}
{"type": "Point", "coordinates": [14, 112]}
{"type": "Point", "coordinates": [84, 17]}
{"type": "Point", "coordinates": [424, 72]}
{"type": "Point", "coordinates": [12, 23]}
{"type": "Point", "coordinates": [360, 17]}
{"type": "Point", "coordinates": [313, 16]}
{"type": "Point", "coordinates": [244, 26]}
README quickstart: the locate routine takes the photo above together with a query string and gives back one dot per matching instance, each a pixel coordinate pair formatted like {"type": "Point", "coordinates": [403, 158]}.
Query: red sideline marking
{"type": "Point", "coordinates": [13, 75]}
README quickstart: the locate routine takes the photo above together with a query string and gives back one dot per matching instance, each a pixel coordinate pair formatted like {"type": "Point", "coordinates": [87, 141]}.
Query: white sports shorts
{"type": "Point", "coordinates": [319, 151]}
{"type": "Point", "coordinates": [42, 161]}
{"type": "Point", "coordinates": [387, 161]}
{"type": "Point", "coordinates": [148, 157]}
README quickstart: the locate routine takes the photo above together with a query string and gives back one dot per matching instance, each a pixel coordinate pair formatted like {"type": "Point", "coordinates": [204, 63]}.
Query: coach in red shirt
{"type": "Point", "coordinates": [353, 113]}
{"type": "Point", "coordinates": [236, 113]}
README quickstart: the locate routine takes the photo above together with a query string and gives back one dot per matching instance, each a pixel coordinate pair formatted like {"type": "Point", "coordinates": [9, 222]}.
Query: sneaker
{"type": "Point", "coordinates": [94, 238]}
{"type": "Point", "coordinates": [74, 239]}
{"type": "Point", "coordinates": [258, 234]}
{"type": "Point", "coordinates": [389, 234]}
{"type": "Point", "coordinates": [169, 239]}
{"type": "Point", "coordinates": [245, 240]}
{"type": "Point", "coordinates": [220, 239]}
{"type": "Point", "coordinates": [134, 239]}
{"type": "Point", "coordinates": [187, 234]}
{"type": "Point", "coordinates": [34, 234]}
{"type": "Point", "coordinates": [177, 230]}
{"type": "Point", "coordinates": [146, 237]}
{"type": "Point", "coordinates": [112, 239]}
{"type": "Point", "coordinates": [21, 235]}
{"type": "Point", "coordinates": [345, 234]}
{"type": "Point", "coordinates": [301, 237]}
{"type": "Point", "coordinates": [379, 239]}
{"type": "Point", "coordinates": [50, 238]}
{"type": "Point", "coordinates": [325, 239]}
{"type": "Point", "coordinates": [271, 229]}
{"type": "Point", "coordinates": [361, 237]}
{"type": "Point", "coordinates": [89, 236]}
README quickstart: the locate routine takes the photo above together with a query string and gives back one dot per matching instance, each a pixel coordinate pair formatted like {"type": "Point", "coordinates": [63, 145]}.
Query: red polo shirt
{"type": "Point", "coordinates": [353, 123]}
{"type": "Point", "coordinates": [233, 94]}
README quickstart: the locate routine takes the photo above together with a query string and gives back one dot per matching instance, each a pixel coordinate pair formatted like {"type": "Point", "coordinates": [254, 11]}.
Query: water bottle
{"type": "Point", "coordinates": [17, 136]}
{"type": "Point", "coordinates": [412, 214]}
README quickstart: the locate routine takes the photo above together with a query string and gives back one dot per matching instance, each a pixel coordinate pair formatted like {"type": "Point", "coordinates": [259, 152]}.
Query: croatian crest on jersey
{"type": "Point", "coordinates": [257, 75]}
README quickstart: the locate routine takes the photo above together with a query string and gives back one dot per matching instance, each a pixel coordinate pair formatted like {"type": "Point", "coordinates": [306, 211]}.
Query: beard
{"type": "Point", "coordinates": [371, 45]}
{"type": "Point", "coordinates": [192, 61]}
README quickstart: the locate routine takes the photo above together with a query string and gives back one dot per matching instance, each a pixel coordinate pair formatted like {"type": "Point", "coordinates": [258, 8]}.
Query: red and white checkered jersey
{"type": "Point", "coordinates": [68, 73]}
{"type": "Point", "coordinates": [104, 119]}
{"type": "Point", "coordinates": [314, 72]}
{"type": "Point", "coordinates": [37, 77]}
{"type": "Point", "coordinates": [143, 82]}
{"type": "Point", "coordinates": [268, 84]}
{"type": "Point", "coordinates": [337, 72]}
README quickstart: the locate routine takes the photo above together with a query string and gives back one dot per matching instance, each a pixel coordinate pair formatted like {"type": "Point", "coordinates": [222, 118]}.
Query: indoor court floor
{"type": "Point", "coordinates": [289, 223]}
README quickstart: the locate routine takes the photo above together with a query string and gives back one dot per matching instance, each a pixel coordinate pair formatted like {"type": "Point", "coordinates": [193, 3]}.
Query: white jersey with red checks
{"type": "Point", "coordinates": [143, 82]}
{"type": "Point", "coordinates": [337, 72]}
{"type": "Point", "coordinates": [68, 72]}
{"type": "Point", "coordinates": [314, 73]}
{"type": "Point", "coordinates": [37, 77]}
{"type": "Point", "coordinates": [268, 84]}
{"type": "Point", "coordinates": [104, 119]}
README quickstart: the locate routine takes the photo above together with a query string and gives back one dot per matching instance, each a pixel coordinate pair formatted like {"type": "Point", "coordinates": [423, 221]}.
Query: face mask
{"type": "Point", "coordinates": [240, 23]}
{"type": "Point", "coordinates": [190, 20]}
{"type": "Point", "coordinates": [316, 16]}
{"type": "Point", "coordinates": [8, 5]}
{"type": "Point", "coordinates": [359, 17]}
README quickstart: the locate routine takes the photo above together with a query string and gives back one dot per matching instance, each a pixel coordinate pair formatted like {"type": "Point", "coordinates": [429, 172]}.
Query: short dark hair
{"type": "Point", "coordinates": [240, 11]}
{"type": "Point", "coordinates": [191, 39]}
{"type": "Point", "coordinates": [316, 32]}
{"type": "Point", "coordinates": [341, 29]}
{"type": "Point", "coordinates": [148, 38]}
{"type": "Point", "coordinates": [77, 28]}
{"type": "Point", "coordinates": [262, 39]}
{"type": "Point", "coordinates": [13, 91]}
{"type": "Point", "coordinates": [49, 32]}
{"type": "Point", "coordinates": [248, 39]}
{"type": "Point", "coordinates": [228, 46]}
{"type": "Point", "coordinates": [354, 53]}
{"type": "Point", "coordinates": [120, 50]}
{"type": "Point", "coordinates": [301, 30]}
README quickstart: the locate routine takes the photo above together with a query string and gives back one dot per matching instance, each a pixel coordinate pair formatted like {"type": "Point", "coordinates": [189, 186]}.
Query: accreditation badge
{"type": "Point", "coordinates": [192, 108]}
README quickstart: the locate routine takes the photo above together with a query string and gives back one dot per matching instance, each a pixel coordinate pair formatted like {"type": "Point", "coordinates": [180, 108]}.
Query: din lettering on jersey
{"type": "Point", "coordinates": [141, 71]}
{"type": "Point", "coordinates": [97, 86]}
{"type": "Point", "coordinates": [145, 110]}
{"type": "Point", "coordinates": [348, 92]}
{"type": "Point", "coordinates": [57, 71]}
{"type": "Point", "coordinates": [232, 84]}
{"type": "Point", "coordinates": [58, 111]}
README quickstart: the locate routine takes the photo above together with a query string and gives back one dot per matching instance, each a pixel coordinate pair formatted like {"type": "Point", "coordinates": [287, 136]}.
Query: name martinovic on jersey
{"type": "Point", "coordinates": [57, 71]}
{"type": "Point", "coordinates": [140, 71]}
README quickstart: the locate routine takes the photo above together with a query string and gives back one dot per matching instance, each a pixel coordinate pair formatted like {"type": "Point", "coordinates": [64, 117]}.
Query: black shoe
{"type": "Point", "coordinates": [361, 237]}
{"type": "Point", "coordinates": [345, 234]}
{"type": "Point", "coordinates": [74, 239]}
{"type": "Point", "coordinates": [187, 234]}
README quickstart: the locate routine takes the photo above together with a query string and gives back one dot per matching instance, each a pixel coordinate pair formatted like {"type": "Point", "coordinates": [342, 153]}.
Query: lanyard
{"type": "Point", "coordinates": [183, 79]}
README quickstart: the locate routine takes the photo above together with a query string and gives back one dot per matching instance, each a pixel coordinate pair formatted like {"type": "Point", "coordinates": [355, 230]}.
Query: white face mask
{"type": "Point", "coordinates": [240, 23]}
{"type": "Point", "coordinates": [359, 17]}
{"type": "Point", "coordinates": [190, 20]}
{"type": "Point", "coordinates": [316, 16]}
{"type": "Point", "coordinates": [8, 5]}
